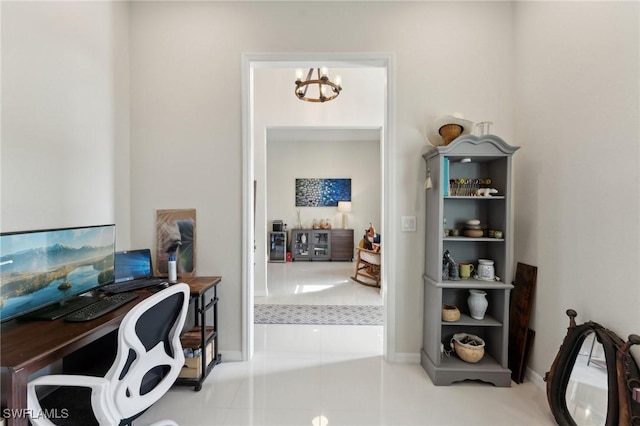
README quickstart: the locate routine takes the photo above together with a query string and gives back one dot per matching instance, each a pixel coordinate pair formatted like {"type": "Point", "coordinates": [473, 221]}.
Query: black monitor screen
{"type": "Point", "coordinates": [39, 268]}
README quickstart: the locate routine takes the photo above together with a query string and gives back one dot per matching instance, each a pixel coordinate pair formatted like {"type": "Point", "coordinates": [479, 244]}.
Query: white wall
{"type": "Point", "coordinates": [185, 79]}
{"type": "Point", "coordinates": [355, 160]}
{"type": "Point", "coordinates": [576, 65]}
{"type": "Point", "coordinates": [577, 203]}
{"type": "Point", "coordinates": [64, 109]}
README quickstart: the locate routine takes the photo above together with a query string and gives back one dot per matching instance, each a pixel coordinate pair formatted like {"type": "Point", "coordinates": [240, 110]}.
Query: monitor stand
{"type": "Point", "coordinates": [60, 309]}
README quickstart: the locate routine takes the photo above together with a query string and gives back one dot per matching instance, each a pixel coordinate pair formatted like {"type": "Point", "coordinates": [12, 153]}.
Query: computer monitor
{"type": "Point", "coordinates": [44, 267]}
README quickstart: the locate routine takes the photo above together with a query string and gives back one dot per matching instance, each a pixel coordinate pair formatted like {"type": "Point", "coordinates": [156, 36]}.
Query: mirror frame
{"type": "Point", "coordinates": [622, 373]}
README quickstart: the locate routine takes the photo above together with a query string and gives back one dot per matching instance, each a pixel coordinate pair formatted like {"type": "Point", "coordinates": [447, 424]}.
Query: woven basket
{"type": "Point", "coordinates": [450, 313]}
{"type": "Point", "coordinates": [470, 348]}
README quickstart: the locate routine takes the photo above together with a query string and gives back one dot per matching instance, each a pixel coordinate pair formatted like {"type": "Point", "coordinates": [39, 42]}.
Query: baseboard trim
{"type": "Point", "coordinates": [404, 358]}
{"type": "Point", "coordinates": [232, 356]}
{"type": "Point", "coordinates": [537, 379]}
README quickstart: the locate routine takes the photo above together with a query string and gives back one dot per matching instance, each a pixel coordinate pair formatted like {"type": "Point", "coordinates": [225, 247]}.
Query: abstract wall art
{"type": "Point", "coordinates": [318, 192]}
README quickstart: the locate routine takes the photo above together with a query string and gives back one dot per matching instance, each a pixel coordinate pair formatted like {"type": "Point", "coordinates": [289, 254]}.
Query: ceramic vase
{"type": "Point", "coordinates": [477, 303]}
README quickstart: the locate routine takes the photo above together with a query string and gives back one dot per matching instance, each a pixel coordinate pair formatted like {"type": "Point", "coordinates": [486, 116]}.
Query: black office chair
{"type": "Point", "coordinates": [147, 363]}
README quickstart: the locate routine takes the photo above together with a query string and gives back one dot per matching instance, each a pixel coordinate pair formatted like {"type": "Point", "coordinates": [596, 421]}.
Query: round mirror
{"type": "Point", "coordinates": [586, 395]}
{"type": "Point", "coordinates": [582, 384]}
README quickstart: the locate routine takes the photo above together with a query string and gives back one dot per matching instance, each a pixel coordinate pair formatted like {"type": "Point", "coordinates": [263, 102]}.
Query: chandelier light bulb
{"type": "Point", "coordinates": [299, 74]}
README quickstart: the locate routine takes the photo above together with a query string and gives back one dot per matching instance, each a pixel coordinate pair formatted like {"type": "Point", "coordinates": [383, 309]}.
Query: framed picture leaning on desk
{"type": "Point", "coordinates": [176, 235]}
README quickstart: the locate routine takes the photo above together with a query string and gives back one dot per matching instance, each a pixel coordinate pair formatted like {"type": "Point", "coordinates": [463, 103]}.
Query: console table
{"type": "Point", "coordinates": [26, 347]}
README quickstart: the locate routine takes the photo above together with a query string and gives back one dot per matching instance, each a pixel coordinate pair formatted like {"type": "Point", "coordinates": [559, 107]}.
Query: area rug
{"type": "Point", "coordinates": [318, 314]}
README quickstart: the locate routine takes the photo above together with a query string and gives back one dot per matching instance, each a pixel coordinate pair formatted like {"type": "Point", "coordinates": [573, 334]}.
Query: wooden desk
{"type": "Point", "coordinates": [26, 347]}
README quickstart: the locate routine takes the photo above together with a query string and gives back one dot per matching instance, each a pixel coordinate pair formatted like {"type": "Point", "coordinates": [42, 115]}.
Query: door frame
{"type": "Point", "coordinates": [249, 62]}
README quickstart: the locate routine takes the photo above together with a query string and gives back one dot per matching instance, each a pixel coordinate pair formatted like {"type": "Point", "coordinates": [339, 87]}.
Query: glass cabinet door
{"type": "Point", "coordinates": [321, 243]}
{"type": "Point", "coordinates": [300, 242]}
{"type": "Point", "coordinates": [277, 247]}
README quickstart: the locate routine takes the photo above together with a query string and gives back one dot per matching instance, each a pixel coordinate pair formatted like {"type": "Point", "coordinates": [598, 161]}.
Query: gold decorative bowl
{"type": "Point", "coordinates": [450, 313]}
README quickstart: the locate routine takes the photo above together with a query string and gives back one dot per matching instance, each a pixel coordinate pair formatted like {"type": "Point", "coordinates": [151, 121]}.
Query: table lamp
{"type": "Point", "coordinates": [344, 207]}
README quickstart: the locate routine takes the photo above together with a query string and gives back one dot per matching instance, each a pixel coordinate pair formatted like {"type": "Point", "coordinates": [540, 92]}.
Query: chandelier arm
{"type": "Point", "coordinates": [303, 86]}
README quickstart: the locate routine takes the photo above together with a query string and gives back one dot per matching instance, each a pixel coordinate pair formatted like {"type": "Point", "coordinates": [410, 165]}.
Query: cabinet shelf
{"type": "Point", "coordinates": [466, 321]}
{"type": "Point", "coordinates": [452, 362]}
{"type": "Point", "coordinates": [491, 160]}
{"type": "Point", "coordinates": [468, 284]}
{"type": "Point", "coordinates": [201, 336]}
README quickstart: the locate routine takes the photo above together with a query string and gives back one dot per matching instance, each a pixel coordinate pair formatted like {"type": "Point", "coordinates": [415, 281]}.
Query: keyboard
{"type": "Point", "coordinates": [101, 307]}
{"type": "Point", "coordinates": [132, 285]}
{"type": "Point", "coordinates": [56, 311]}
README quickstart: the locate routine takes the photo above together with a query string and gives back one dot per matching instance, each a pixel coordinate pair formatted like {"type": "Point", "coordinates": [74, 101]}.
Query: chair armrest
{"type": "Point", "coordinates": [102, 407]}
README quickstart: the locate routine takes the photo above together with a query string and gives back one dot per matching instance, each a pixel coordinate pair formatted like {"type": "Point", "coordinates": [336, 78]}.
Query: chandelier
{"type": "Point", "coordinates": [326, 89]}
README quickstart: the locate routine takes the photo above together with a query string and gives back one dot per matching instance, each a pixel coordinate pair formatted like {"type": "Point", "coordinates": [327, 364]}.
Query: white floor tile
{"type": "Point", "coordinates": [325, 375]}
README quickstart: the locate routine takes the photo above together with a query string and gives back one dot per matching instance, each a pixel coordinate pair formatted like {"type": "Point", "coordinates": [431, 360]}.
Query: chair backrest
{"type": "Point", "coordinates": [150, 355]}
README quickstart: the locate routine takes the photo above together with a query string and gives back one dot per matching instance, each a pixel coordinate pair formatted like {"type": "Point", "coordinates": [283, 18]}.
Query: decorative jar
{"type": "Point", "coordinates": [478, 303]}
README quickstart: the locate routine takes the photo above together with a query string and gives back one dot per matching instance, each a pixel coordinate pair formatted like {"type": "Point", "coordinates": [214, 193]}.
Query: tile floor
{"type": "Point", "coordinates": [316, 283]}
{"type": "Point", "coordinates": [313, 375]}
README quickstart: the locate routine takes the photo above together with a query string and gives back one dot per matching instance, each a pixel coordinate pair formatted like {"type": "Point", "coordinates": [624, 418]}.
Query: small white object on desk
{"type": "Point", "coordinates": [173, 269]}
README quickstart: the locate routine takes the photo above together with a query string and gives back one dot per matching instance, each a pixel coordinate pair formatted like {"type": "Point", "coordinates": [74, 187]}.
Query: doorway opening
{"type": "Point", "coordinates": [256, 126]}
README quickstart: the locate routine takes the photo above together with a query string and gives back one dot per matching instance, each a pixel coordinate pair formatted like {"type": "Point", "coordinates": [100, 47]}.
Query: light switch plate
{"type": "Point", "coordinates": [408, 223]}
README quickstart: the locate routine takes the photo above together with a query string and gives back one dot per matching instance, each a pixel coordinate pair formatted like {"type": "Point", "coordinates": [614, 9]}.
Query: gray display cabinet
{"type": "Point", "coordinates": [310, 244]}
{"type": "Point", "coordinates": [473, 157]}
{"type": "Point", "coordinates": [277, 246]}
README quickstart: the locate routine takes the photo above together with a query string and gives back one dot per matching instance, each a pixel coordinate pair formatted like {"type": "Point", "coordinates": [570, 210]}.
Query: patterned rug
{"type": "Point", "coordinates": [318, 314]}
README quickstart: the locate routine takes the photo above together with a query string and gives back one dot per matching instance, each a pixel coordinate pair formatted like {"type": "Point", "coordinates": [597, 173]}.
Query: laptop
{"type": "Point", "coordinates": [133, 271]}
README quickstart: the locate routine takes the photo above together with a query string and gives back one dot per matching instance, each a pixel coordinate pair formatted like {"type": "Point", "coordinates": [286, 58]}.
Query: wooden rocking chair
{"type": "Point", "coordinates": [367, 270]}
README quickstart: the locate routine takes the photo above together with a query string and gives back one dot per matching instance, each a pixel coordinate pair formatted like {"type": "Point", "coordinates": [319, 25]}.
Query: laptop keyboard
{"type": "Point", "coordinates": [131, 285]}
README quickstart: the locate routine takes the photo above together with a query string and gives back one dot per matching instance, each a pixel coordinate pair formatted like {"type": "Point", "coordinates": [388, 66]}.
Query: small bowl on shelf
{"type": "Point", "coordinates": [473, 233]}
{"type": "Point", "coordinates": [450, 313]}
{"type": "Point", "coordinates": [469, 347]}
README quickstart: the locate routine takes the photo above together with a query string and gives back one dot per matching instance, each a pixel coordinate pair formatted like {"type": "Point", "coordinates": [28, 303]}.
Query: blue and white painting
{"type": "Point", "coordinates": [322, 192]}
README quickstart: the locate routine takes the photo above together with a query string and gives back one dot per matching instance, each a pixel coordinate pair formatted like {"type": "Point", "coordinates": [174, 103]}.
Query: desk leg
{"type": "Point", "coordinates": [14, 396]}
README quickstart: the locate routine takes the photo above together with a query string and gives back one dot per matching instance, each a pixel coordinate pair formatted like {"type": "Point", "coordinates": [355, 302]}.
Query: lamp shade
{"type": "Point", "coordinates": [344, 206]}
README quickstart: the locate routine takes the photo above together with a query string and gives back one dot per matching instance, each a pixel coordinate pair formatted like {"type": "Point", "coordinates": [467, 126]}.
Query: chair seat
{"type": "Point", "coordinates": [372, 258]}
{"type": "Point", "coordinates": [367, 269]}
{"type": "Point", "coordinates": [148, 360]}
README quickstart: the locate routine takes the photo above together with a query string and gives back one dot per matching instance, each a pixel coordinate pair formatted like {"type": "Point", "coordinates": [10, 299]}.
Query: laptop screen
{"type": "Point", "coordinates": [132, 264]}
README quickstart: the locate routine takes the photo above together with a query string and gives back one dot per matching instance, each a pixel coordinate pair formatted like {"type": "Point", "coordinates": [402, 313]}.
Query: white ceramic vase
{"type": "Point", "coordinates": [478, 303]}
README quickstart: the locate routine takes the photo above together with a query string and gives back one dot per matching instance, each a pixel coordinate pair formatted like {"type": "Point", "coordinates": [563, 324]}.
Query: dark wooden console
{"type": "Point", "coordinates": [342, 244]}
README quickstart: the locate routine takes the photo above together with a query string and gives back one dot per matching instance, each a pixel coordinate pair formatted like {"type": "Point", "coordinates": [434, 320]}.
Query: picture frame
{"type": "Point", "coordinates": [322, 192]}
{"type": "Point", "coordinates": [176, 235]}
